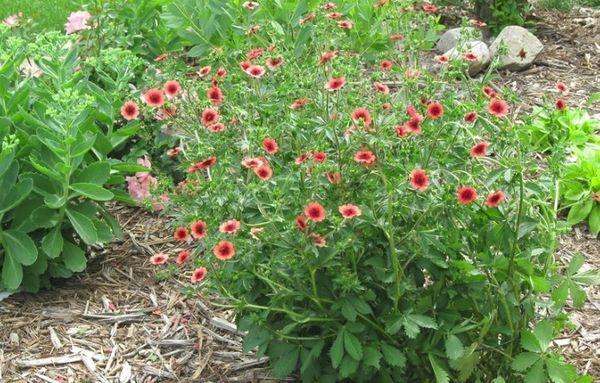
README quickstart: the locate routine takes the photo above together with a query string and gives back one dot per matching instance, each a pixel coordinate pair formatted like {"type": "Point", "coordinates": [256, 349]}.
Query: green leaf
{"type": "Point", "coordinates": [560, 372]}
{"type": "Point", "coordinates": [561, 293]}
{"type": "Point", "coordinates": [12, 273]}
{"type": "Point", "coordinates": [544, 333]}
{"type": "Point", "coordinates": [97, 173]}
{"type": "Point", "coordinates": [93, 191]}
{"type": "Point", "coordinates": [529, 342]}
{"type": "Point", "coordinates": [348, 366]}
{"type": "Point", "coordinates": [337, 350]}
{"type": "Point", "coordinates": [283, 366]}
{"type": "Point", "coordinates": [16, 195]}
{"type": "Point", "coordinates": [594, 219]}
{"type": "Point", "coordinates": [19, 246]}
{"type": "Point", "coordinates": [83, 226]}
{"type": "Point", "coordinates": [393, 356]}
{"type": "Point", "coordinates": [352, 346]}
{"type": "Point", "coordinates": [536, 374]}
{"type": "Point", "coordinates": [524, 360]}
{"type": "Point", "coordinates": [371, 357]}
{"type": "Point", "coordinates": [576, 263]}
{"type": "Point", "coordinates": [52, 244]}
{"type": "Point", "coordinates": [580, 211]}
{"type": "Point", "coordinates": [441, 376]}
{"type": "Point", "coordinates": [454, 347]}
{"type": "Point", "coordinates": [589, 277]}
{"type": "Point", "coordinates": [423, 321]}
{"type": "Point", "coordinates": [73, 257]}
{"type": "Point", "coordinates": [348, 310]}
{"type": "Point", "coordinates": [6, 158]}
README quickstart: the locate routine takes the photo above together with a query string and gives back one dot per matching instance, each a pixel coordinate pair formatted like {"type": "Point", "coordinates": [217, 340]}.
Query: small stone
{"type": "Point", "coordinates": [452, 36]}
{"type": "Point", "coordinates": [480, 52]}
{"type": "Point", "coordinates": [522, 48]}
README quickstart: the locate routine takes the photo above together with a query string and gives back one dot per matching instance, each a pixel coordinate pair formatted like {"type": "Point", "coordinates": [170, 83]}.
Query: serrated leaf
{"type": "Point", "coordinates": [371, 357]}
{"type": "Point", "coordinates": [337, 350]}
{"type": "Point", "coordinates": [454, 347]}
{"type": "Point", "coordinates": [560, 372]}
{"type": "Point", "coordinates": [561, 293]}
{"type": "Point", "coordinates": [393, 356]}
{"type": "Point", "coordinates": [529, 342]}
{"type": "Point", "coordinates": [348, 366]}
{"type": "Point", "coordinates": [576, 262]}
{"type": "Point", "coordinates": [348, 310]}
{"type": "Point", "coordinates": [410, 328]}
{"type": "Point", "coordinates": [544, 333]}
{"type": "Point", "coordinates": [422, 320]}
{"type": "Point", "coordinates": [524, 360]}
{"type": "Point", "coordinates": [589, 277]}
{"type": "Point", "coordinates": [536, 374]}
{"type": "Point", "coordinates": [283, 366]}
{"type": "Point", "coordinates": [352, 346]}
{"type": "Point", "coordinates": [441, 376]}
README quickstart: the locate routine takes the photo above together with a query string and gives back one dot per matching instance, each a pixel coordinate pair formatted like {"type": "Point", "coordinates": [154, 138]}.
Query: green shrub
{"type": "Point", "coordinates": [339, 256]}
{"type": "Point", "coordinates": [56, 134]}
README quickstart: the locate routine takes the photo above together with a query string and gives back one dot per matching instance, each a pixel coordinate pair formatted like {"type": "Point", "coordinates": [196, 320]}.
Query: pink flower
{"type": "Point", "coordinates": [159, 259]}
{"type": "Point", "coordinates": [12, 20]}
{"type": "Point", "coordinates": [77, 21]}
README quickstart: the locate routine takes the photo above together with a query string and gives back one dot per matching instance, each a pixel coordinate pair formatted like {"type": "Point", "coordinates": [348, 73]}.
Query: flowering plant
{"type": "Point", "coordinates": [366, 218]}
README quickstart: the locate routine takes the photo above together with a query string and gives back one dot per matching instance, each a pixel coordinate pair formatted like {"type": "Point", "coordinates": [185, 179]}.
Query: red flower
{"type": "Point", "coordinates": [335, 84]}
{"type": "Point", "coordinates": [478, 23]}
{"type": "Point", "coordinates": [386, 65]}
{"type": "Point", "coordinates": [253, 29]}
{"type": "Point", "coordinates": [224, 250]}
{"type": "Point", "coordinates": [443, 59]}
{"type": "Point", "coordinates": [382, 88]}
{"type": "Point", "coordinates": [154, 98]}
{"type": "Point", "coordinates": [171, 88]}
{"type": "Point", "coordinates": [204, 71]}
{"type": "Point", "coordinates": [561, 104]}
{"type": "Point", "coordinates": [435, 110]}
{"type": "Point", "coordinates": [326, 57]}
{"type": "Point", "coordinates": [345, 24]}
{"type": "Point", "coordinates": [480, 149]}
{"type": "Point", "coordinates": [159, 259]}
{"type": "Point", "coordinates": [182, 257]}
{"type": "Point", "coordinates": [207, 163]}
{"type": "Point", "coordinates": [414, 126]}
{"type": "Point", "coordinates": [319, 157]}
{"type": "Point", "coordinates": [216, 128]}
{"type": "Point", "coordinates": [470, 56]}
{"type": "Point", "coordinates": [396, 37]}
{"type": "Point", "coordinates": [173, 152]}
{"type": "Point", "coordinates": [315, 211]}
{"type": "Point", "coordinates": [214, 94]}
{"type": "Point", "coordinates": [250, 5]}
{"type": "Point", "coordinates": [198, 229]}
{"type": "Point", "coordinates": [130, 110]}
{"type": "Point", "coordinates": [402, 131]}
{"type": "Point", "coordinates": [334, 15]}
{"type": "Point", "coordinates": [299, 103]}
{"type": "Point", "coordinates": [308, 18]}
{"type": "Point", "coordinates": [210, 116]}
{"type": "Point", "coordinates": [495, 199]}
{"type": "Point", "coordinates": [270, 145]}
{"type": "Point", "coordinates": [199, 274]}
{"type": "Point", "coordinates": [466, 195]}
{"type": "Point", "coordinates": [263, 172]}
{"type": "Point", "coordinates": [498, 107]}
{"type": "Point", "coordinates": [255, 71]}
{"type": "Point", "coordinates": [430, 8]}
{"type": "Point", "coordinates": [489, 91]}
{"type": "Point", "coordinates": [302, 158]}
{"type": "Point", "coordinates": [349, 211]}
{"type": "Point", "coordinates": [181, 234]}
{"type": "Point", "coordinates": [561, 87]}
{"type": "Point", "coordinates": [230, 227]}
{"type": "Point", "coordinates": [412, 113]}
{"type": "Point", "coordinates": [334, 177]}
{"type": "Point", "coordinates": [471, 116]}
{"type": "Point", "coordinates": [252, 163]}
{"type": "Point", "coordinates": [362, 114]}
{"type": "Point", "coordinates": [245, 65]}
{"type": "Point", "coordinates": [419, 180]}
{"type": "Point", "coordinates": [301, 223]}
{"type": "Point", "coordinates": [317, 239]}
{"type": "Point", "coordinates": [365, 157]}
{"type": "Point", "coordinates": [273, 63]}
{"type": "Point", "coordinates": [254, 53]}
{"type": "Point", "coordinates": [221, 72]}
{"type": "Point", "coordinates": [386, 106]}
{"type": "Point", "coordinates": [381, 3]}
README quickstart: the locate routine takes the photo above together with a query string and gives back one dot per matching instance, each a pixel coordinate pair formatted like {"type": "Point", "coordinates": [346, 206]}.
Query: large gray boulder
{"type": "Point", "coordinates": [522, 48]}
{"type": "Point", "coordinates": [451, 37]}
{"type": "Point", "coordinates": [479, 49]}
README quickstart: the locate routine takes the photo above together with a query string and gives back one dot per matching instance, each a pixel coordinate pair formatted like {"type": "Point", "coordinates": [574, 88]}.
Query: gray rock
{"type": "Point", "coordinates": [522, 48]}
{"type": "Point", "coordinates": [451, 37]}
{"type": "Point", "coordinates": [479, 49]}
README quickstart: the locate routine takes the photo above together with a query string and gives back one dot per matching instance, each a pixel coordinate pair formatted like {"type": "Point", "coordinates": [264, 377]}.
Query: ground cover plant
{"type": "Point", "coordinates": [360, 231]}
{"type": "Point", "coordinates": [367, 212]}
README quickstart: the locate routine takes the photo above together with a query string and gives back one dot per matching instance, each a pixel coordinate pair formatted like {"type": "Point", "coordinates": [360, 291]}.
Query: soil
{"type": "Point", "coordinates": [117, 323]}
